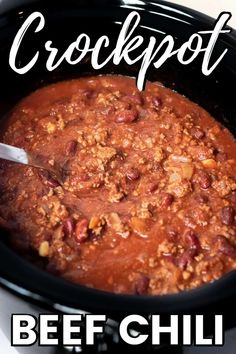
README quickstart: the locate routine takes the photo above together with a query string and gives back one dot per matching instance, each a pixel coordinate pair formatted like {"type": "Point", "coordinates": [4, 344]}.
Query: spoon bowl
{"type": "Point", "coordinates": [18, 155]}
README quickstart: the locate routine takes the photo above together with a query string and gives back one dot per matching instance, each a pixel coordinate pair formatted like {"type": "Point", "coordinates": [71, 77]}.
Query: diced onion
{"type": "Point", "coordinates": [181, 158]}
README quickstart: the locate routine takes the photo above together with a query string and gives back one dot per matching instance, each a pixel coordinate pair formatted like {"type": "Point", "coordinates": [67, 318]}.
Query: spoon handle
{"type": "Point", "coordinates": [13, 153]}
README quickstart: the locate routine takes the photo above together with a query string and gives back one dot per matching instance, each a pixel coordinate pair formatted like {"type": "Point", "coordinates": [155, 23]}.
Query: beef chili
{"type": "Point", "coordinates": [147, 202]}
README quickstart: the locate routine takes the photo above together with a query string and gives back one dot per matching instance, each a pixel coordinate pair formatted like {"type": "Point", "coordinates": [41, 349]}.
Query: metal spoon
{"type": "Point", "coordinates": [12, 153]}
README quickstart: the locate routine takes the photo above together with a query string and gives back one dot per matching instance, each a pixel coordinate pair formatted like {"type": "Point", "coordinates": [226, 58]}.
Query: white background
{"type": "Point", "coordinates": [210, 7]}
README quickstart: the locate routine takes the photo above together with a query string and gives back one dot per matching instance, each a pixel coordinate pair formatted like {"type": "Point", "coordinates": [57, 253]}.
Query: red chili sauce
{"type": "Point", "coordinates": [147, 203]}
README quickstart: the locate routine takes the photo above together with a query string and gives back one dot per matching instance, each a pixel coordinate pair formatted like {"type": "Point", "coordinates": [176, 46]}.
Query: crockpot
{"type": "Point", "coordinates": [64, 22]}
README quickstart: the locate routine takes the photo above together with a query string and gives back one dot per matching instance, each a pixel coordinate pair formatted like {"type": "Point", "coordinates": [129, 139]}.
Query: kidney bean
{"type": "Point", "coordinates": [201, 198]}
{"type": "Point", "coordinates": [192, 241]}
{"type": "Point", "coordinates": [126, 116]}
{"type": "Point", "coordinates": [227, 215]}
{"type": "Point", "coordinates": [186, 258]}
{"type": "Point", "coordinates": [166, 200]}
{"type": "Point", "coordinates": [81, 231]}
{"type": "Point", "coordinates": [68, 226]}
{"type": "Point", "coordinates": [71, 147]}
{"type": "Point", "coordinates": [133, 174]}
{"type": "Point", "coordinates": [225, 246]}
{"type": "Point", "coordinates": [152, 187]}
{"type": "Point", "coordinates": [232, 197]}
{"type": "Point", "coordinates": [197, 133]}
{"type": "Point", "coordinates": [157, 101]}
{"type": "Point", "coordinates": [204, 179]}
{"type": "Point", "coordinates": [141, 285]}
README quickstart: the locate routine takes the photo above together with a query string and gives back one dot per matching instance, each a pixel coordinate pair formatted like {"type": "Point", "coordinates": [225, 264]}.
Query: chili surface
{"type": "Point", "coordinates": [147, 203]}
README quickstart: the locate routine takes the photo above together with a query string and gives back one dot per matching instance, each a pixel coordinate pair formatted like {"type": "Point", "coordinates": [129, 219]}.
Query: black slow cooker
{"type": "Point", "coordinates": [64, 22]}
